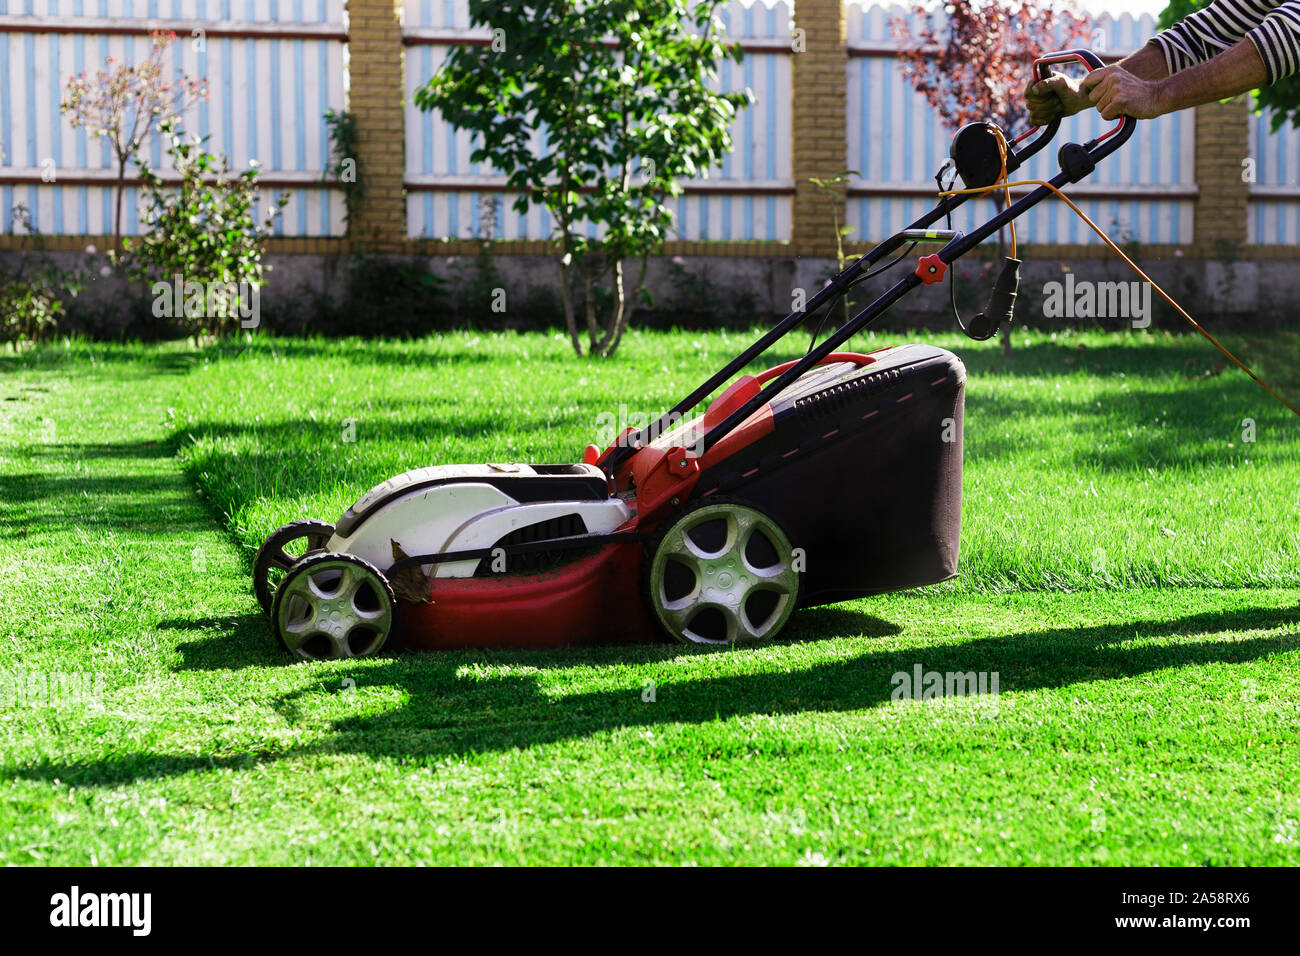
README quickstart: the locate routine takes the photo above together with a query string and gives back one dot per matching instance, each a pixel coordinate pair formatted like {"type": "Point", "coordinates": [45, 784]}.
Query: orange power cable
{"type": "Point", "coordinates": [1132, 265]}
{"type": "Point", "coordinates": [1002, 178]}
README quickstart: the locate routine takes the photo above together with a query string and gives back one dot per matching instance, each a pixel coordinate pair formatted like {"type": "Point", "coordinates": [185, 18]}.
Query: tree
{"type": "Point", "coordinates": [615, 89]}
{"type": "Point", "coordinates": [123, 103]}
{"type": "Point", "coordinates": [974, 64]}
{"type": "Point", "coordinates": [1282, 99]}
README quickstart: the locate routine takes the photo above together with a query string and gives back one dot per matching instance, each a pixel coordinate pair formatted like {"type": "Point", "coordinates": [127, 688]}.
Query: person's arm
{"type": "Point", "coordinates": [1062, 95]}
{"type": "Point", "coordinates": [1228, 48]}
{"type": "Point", "coordinates": [1118, 92]}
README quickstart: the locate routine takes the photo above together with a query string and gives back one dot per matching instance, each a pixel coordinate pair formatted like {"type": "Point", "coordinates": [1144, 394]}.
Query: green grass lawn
{"type": "Point", "coordinates": [1130, 570]}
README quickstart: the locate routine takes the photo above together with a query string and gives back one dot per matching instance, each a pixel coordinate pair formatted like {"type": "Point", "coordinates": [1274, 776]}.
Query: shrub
{"type": "Point", "coordinates": [33, 288]}
{"type": "Point", "coordinates": [206, 231]}
{"type": "Point", "coordinates": [377, 296]}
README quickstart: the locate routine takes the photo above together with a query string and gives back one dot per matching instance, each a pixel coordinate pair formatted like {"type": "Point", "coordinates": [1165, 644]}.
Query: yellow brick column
{"type": "Point", "coordinates": [1222, 142]}
{"type": "Point", "coordinates": [818, 115]}
{"type": "Point", "coordinates": [375, 98]}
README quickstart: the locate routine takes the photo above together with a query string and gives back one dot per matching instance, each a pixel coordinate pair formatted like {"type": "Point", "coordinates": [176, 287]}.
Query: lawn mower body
{"type": "Point", "coordinates": [858, 463]}
{"type": "Point", "coordinates": [831, 477]}
{"type": "Point", "coordinates": [887, 425]}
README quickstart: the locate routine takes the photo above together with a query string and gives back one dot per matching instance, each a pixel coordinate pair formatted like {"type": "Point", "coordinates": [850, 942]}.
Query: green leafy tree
{"type": "Point", "coordinates": [620, 93]}
{"type": "Point", "coordinates": [1282, 99]}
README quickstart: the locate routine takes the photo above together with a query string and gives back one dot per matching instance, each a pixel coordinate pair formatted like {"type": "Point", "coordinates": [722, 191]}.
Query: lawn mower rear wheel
{"type": "Point", "coordinates": [284, 548]}
{"type": "Point", "coordinates": [723, 572]}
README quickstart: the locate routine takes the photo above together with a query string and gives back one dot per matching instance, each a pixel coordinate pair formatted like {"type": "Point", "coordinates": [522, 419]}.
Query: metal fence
{"type": "Point", "coordinates": [1273, 213]}
{"type": "Point", "coordinates": [275, 66]}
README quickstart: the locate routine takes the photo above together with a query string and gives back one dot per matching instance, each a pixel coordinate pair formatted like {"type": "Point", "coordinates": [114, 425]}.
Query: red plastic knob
{"type": "Point", "coordinates": [930, 269]}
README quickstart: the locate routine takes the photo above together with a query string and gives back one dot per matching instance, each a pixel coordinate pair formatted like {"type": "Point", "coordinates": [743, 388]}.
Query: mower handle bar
{"type": "Point", "coordinates": [1096, 150]}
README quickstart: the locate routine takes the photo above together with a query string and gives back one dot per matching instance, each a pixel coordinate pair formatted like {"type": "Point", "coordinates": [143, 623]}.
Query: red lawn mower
{"type": "Point", "coordinates": [832, 477]}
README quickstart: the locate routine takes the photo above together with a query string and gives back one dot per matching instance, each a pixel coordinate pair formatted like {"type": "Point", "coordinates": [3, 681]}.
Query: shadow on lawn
{"type": "Point", "coordinates": [55, 500]}
{"type": "Point", "coordinates": [1134, 430]}
{"type": "Point", "coordinates": [247, 641]}
{"type": "Point", "coordinates": [1156, 417]}
{"type": "Point", "coordinates": [452, 713]}
{"type": "Point", "coordinates": [129, 361]}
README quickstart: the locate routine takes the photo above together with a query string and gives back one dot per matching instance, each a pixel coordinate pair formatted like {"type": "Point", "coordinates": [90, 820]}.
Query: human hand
{"type": "Point", "coordinates": [1057, 96]}
{"type": "Point", "coordinates": [1116, 92]}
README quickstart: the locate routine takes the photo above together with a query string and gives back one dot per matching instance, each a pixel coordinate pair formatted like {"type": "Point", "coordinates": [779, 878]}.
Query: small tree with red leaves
{"type": "Point", "coordinates": [973, 63]}
{"type": "Point", "coordinates": [124, 103]}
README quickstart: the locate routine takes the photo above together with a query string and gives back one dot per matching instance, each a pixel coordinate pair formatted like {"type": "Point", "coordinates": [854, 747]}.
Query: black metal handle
{"type": "Point", "coordinates": [1099, 148]}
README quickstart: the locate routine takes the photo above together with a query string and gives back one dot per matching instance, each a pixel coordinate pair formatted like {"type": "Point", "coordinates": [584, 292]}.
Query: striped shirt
{"type": "Point", "coordinates": [1272, 25]}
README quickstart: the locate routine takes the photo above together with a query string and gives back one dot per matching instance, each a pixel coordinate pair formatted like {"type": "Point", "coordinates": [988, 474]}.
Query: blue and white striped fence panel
{"type": "Point", "coordinates": [747, 196]}
{"type": "Point", "coordinates": [273, 68]}
{"type": "Point", "coordinates": [897, 141]}
{"type": "Point", "coordinates": [1273, 212]}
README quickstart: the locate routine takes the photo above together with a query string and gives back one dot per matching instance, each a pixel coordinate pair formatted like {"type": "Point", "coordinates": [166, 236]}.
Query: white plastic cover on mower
{"type": "Point", "coordinates": [461, 515]}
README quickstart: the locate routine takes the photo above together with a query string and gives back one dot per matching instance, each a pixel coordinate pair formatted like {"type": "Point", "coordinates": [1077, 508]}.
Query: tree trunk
{"type": "Point", "coordinates": [570, 320]}
{"type": "Point", "coordinates": [117, 215]}
{"type": "Point", "coordinates": [593, 330]}
{"type": "Point", "coordinates": [614, 333]}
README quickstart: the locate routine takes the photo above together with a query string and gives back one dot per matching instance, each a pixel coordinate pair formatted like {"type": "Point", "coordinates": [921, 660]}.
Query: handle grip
{"type": "Point", "coordinates": [1043, 69]}
{"type": "Point", "coordinates": [1001, 304]}
{"type": "Point", "coordinates": [1042, 65]}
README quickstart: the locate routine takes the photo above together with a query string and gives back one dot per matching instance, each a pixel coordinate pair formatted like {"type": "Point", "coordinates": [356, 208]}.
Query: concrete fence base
{"type": "Point", "coordinates": [521, 292]}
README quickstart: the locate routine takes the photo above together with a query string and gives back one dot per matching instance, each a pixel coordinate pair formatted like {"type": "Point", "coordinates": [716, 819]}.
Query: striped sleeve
{"type": "Point", "coordinates": [1278, 40]}
{"type": "Point", "coordinates": [1272, 25]}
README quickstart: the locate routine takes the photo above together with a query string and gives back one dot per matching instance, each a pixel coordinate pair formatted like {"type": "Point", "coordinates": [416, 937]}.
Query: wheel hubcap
{"type": "Point", "coordinates": [334, 609]}
{"type": "Point", "coordinates": [722, 575]}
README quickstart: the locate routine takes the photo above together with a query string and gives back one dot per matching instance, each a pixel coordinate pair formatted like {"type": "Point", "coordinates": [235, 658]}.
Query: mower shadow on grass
{"type": "Point", "coordinates": [501, 713]}
{"type": "Point", "coordinates": [450, 712]}
{"type": "Point", "coordinates": [40, 500]}
{"type": "Point", "coordinates": [239, 642]}
{"type": "Point", "coordinates": [833, 621]}
{"type": "Point", "coordinates": [243, 641]}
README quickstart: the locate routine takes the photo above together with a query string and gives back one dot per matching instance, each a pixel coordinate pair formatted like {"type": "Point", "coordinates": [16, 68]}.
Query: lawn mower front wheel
{"type": "Point", "coordinates": [334, 605]}
{"type": "Point", "coordinates": [722, 572]}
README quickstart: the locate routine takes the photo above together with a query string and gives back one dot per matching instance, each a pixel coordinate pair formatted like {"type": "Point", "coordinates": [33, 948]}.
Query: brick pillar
{"type": "Point", "coordinates": [1222, 142]}
{"type": "Point", "coordinates": [375, 98]}
{"type": "Point", "coordinates": [818, 113]}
